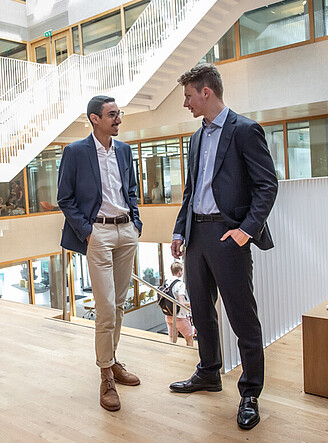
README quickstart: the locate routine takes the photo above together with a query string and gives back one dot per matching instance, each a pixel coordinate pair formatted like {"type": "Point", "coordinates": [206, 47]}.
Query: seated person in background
{"type": "Point", "coordinates": [18, 194]}
{"type": "Point", "coordinates": [2, 207]}
{"type": "Point", "coordinates": [156, 194]}
{"type": "Point", "coordinates": [183, 324]}
{"type": "Point", "coordinates": [10, 204]}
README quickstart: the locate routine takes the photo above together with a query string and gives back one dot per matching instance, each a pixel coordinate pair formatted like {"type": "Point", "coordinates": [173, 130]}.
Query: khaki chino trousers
{"type": "Point", "coordinates": [110, 255]}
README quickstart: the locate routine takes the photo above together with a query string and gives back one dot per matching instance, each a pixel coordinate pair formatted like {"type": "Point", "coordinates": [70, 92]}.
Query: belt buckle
{"type": "Point", "coordinates": [115, 223]}
{"type": "Point", "coordinates": [104, 221]}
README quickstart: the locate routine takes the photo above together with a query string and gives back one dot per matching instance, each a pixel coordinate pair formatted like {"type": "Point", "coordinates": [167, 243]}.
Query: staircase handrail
{"type": "Point", "coordinates": [28, 72]}
{"type": "Point", "coordinates": [168, 297]}
{"type": "Point", "coordinates": [115, 69]}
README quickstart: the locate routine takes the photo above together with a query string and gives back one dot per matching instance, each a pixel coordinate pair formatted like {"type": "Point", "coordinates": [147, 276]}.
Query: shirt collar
{"type": "Point", "coordinates": [99, 145]}
{"type": "Point", "coordinates": [219, 119]}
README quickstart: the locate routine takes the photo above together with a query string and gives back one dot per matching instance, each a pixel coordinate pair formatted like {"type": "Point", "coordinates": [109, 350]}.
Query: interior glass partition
{"type": "Point", "coordinates": [84, 301]}
{"type": "Point", "coordinates": [273, 26]}
{"type": "Point", "coordinates": [132, 12]}
{"type": "Point", "coordinates": [161, 171]}
{"type": "Point", "coordinates": [224, 49]}
{"type": "Point", "coordinates": [185, 147]}
{"type": "Point", "coordinates": [14, 282]}
{"type": "Point", "coordinates": [76, 40]}
{"type": "Point", "coordinates": [61, 51]}
{"type": "Point", "coordinates": [41, 54]}
{"type": "Point", "coordinates": [275, 138]}
{"type": "Point", "coordinates": [47, 278]}
{"type": "Point", "coordinates": [101, 33]}
{"type": "Point", "coordinates": [12, 197]}
{"type": "Point", "coordinates": [42, 176]}
{"type": "Point", "coordinates": [299, 154]}
{"type": "Point", "coordinates": [13, 49]}
{"type": "Point", "coordinates": [148, 270]}
{"type": "Point", "coordinates": [135, 156]}
{"type": "Point", "coordinates": [320, 8]}
{"type": "Point", "coordinates": [308, 148]}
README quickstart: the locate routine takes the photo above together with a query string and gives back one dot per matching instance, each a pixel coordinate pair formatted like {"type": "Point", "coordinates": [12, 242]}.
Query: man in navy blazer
{"type": "Point", "coordinates": [97, 194]}
{"type": "Point", "coordinates": [230, 190]}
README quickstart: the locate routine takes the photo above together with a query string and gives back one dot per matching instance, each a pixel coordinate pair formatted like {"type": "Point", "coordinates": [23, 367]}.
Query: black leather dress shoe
{"type": "Point", "coordinates": [196, 383]}
{"type": "Point", "coordinates": [248, 413]}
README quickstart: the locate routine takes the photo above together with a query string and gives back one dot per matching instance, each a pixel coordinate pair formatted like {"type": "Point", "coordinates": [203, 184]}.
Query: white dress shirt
{"type": "Point", "coordinates": [113, 201]}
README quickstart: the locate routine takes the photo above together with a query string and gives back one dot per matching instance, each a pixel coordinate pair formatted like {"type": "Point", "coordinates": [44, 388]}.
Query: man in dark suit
{"type": "Point", "coordinates": [230, 190]}
{"type": "Point", "coordinates": [97, 194]}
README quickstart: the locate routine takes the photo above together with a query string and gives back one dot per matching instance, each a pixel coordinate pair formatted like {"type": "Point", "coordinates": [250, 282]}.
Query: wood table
{"type": "Point", "coordinates": [315, 350]}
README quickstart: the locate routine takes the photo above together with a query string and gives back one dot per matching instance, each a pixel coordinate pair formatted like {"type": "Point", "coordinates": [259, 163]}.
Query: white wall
{"type": "Point", "coordinates": [77, 10]}
{"type": "Point", "coordinates": [286, 84]}
{"type": "Point", "coordinates": [40, 234]}
{"type": "Point", "coordinates": [13, 21]}
{"type": "Point", "coordinates": [291, 278]}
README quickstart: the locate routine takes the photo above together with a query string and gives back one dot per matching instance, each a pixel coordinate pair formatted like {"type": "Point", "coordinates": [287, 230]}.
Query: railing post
{"type": "Point", "coordinates": [65, 316]}
{"type": "Point", "coordinates": [174, 323]}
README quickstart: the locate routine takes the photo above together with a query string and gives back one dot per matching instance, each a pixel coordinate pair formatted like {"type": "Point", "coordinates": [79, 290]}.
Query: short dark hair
{"type": "Point", "coordinates": [201, 75]}
{"type": "Point", "coordinates": [96, 104]}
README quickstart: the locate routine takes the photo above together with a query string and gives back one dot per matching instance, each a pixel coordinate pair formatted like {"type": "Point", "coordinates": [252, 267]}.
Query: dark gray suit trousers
{"type": "Point", "coordinates": [212, 264]}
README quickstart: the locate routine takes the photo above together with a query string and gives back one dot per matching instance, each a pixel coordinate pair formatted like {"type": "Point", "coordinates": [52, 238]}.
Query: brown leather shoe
{"type": "Point", "coordinates": [109, 398]}
{"type": "Point", "coordinates": [121, 375]}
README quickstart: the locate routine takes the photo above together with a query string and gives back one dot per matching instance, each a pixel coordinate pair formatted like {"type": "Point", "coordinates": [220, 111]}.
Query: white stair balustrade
{"type": "Point", "coordinates": [18, 75]}
{"type": "Point", "coordinates": [139, 72]}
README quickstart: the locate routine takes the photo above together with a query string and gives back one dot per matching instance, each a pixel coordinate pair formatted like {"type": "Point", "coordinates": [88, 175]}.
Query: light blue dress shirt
{"type": "Point", "coordinates": [204, 202]}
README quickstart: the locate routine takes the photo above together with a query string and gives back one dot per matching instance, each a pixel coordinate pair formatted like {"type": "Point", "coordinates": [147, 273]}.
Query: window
{"type": "Point", "coordinates": [14, 284]}
{"type": "Point", "coordinates": [131, 13]}
{"type": "Point", "coordinates": [224, 49]}
{"type": "Point", "coordinates": [135, 156]}
{"type": "Point", "coordinates": [273, 26]}
{"type": "Point", "coordinates": [13, 49]}
{"type": "Point", "coordinates": [47, 278]}
{"type": "Point", "coordinates": [275, 138]}
{"type": "Point", "coordinates": [41, 54]}
{"type": "Point", "coordinates": [149, 270]}
{"type": "Point", "coordinates": [12, 197]}
{"type": "Point", "coordinates": [185, 147]}
{"type": "Point", "coordinates": [42, 175]}
{"type": "Point", "coordinates": [101, 33]}
{"type": "Point", "coordinates": [320, 17]}
{"type": "Point", "coordinates": [76, 40]}
{"type": "Point", "coordinates": [308, 148]}
{"type": "Point", "coordinates": [299, 157]}
{"type": "Point", "coordinates": [161, 172]}
{"type": "Point", "coordinates": [61, 50]}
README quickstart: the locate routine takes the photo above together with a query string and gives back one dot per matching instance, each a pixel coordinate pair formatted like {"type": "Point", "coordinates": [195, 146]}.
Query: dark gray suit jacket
{"type": "Point", "coordinates": [244, 181]}
{"type": "Point", "coordinates": [80, 191]}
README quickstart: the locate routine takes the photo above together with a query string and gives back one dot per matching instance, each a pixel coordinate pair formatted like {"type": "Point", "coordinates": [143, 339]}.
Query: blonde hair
{"type": "Point", "coordinates": [176, 267]}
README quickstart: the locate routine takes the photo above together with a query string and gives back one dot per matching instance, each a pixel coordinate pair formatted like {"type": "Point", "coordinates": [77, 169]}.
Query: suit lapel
{"type": "Point", "coordinates": [225, 139]}
{"type": "Point", "coordinates": [92, 151]}
{"type": "Point", "coordinates": [121, 166]}
{"type": "Point", "coordinates": [195, 152]}
{"type": "Point", "coordinates": [119, 159]}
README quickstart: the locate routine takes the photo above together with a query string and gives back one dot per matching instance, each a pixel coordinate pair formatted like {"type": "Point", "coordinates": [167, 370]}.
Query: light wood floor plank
{"type": "Point", "coordinates": [49, 389]}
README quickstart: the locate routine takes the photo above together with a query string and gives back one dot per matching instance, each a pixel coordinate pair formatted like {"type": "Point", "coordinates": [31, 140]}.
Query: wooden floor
{"type": "Point", "coordinates": [49, 390]}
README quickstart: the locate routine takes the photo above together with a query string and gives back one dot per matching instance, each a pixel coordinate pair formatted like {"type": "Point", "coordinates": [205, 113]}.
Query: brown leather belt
{"type": "Point", "coordinates": [207, 217]}
{"type": "Point", "coordinates": [113, 220]}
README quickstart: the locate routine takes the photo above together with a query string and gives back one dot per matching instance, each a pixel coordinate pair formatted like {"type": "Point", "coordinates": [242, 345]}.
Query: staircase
{"type": "Point", "coordinates": [169, 37]}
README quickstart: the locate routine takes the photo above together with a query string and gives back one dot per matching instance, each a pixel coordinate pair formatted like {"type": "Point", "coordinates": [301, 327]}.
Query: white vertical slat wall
{"type": "Point", "coordinates": [291, 278]}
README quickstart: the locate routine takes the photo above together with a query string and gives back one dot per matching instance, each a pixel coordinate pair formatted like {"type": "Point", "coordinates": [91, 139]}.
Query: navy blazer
{"type": "Point", "coordinates": [244, 182]}
{"type": "Point", "coordinates": [80, 191]}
